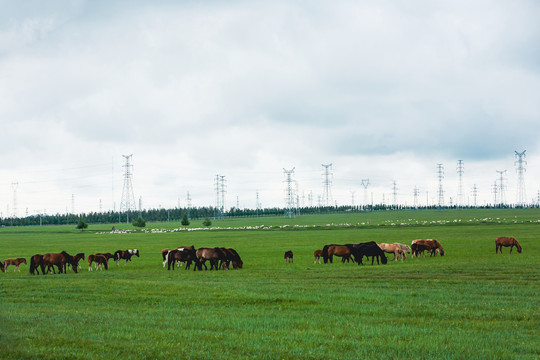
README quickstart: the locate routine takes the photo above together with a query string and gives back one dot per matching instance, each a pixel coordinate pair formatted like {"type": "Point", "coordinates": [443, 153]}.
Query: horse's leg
{"type": "Point", "coordinates": [511, 246]}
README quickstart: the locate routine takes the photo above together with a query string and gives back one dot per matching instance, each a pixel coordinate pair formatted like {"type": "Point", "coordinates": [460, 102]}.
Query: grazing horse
{"type": "Point", "coordinates": [182, 254]}
{"type": "Point", "coordinates": [16, 262]}
{"type": "Point", "coordinates": [126, 255]}
{"type": "Point", "coordinates": [214, 255]}
{"type": "Point", "coordinates": [393, 249]}
{"type": "Point", "coordinates": [288, 256]}
{"type": "Point", "coordinates": [100, 260]}
{"type": "Point", "coordinates": [505, 241]}
{"type": "Point", "coordinates": [234, 258]}
{"type": "Point", "coordinates": [405, 248]}
{"type": "Point", "coordinates": [368, 249]}
{"type": "Point", "coordinates": [76, 258]}
{"type": "Point", "coordinates": [34, 263]}
{"type": "Point", "coordinates": [317, 254]}
{"type": "Point", "coordinates": [418, 247]}
{"type": "Point", "coordinates": [58, 259]}
{"type": "Point", "coordinates": [343, 251]}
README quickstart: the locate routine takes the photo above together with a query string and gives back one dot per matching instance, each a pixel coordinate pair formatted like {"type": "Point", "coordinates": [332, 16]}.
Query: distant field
{"type": "Point", "coordinates": [468, 304]}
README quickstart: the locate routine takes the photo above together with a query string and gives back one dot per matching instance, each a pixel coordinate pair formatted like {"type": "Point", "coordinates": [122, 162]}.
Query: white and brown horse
{"type": "Point", "coordinates": [99, 260]}
{"type": "Point", "coordinates": [318, 255]}
{"type": "Point", "coordinates": [126, 255]}
{"type": "Point", "coordinates": [507, 241]}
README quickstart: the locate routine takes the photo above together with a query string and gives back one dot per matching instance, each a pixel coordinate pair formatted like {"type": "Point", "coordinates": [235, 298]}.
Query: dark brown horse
{"type": "Point", "coordinates": [59, 260]}
{"type": "Point", "coordinates": [100, 260]}
{"type": "Point", "coordinates": [15, 262]}
{"type": "Point", "coordinates": [368, 249]}
{"type": "Point", "coordinates": [35, 261]}
{"type": "Point", "coordinates": [126, 255]}
{"type": "Point", "coordinates": [164, 253]}
{"type": "Point", "coordinates": [507, 241]}
{"type": "Point", "coordinates": [234, 258]}
{"type": "Point", "coordinates": [288, 256]}
{"type": "Point", "coordinates": [76, 258]}
{"type": "Point", "coordinates": [182, 254]}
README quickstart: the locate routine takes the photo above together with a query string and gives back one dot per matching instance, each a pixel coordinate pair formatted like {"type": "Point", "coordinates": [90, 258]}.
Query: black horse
{"type": "Point", "coordinates": [185, 254]}
{"type": "Point", "coordinates": [367, 249]}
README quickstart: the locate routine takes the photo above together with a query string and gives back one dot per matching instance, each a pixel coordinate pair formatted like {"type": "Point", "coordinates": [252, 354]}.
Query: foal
{"type": "Point", "coordinates": [16, 262]}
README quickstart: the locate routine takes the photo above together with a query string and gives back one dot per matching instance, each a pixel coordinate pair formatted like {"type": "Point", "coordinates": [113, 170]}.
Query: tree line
{"type": "Point", "coordinates": [176, 214]}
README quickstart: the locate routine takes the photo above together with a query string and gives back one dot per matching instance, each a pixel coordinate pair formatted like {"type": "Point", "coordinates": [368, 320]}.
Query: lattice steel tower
{"type": "Point", "coordinates": [520, 168]}
{"type": "Point", "coordinates": [289, 192]}
{"type": "Point", "coordinates": [220, 195]}
{"type": "Point", "coordinates": [327, 192]}
{"type": "Point", "coordinates": [128, 199]}
{"type": "Point", "coordinates": [365, 184]}
{"type": "Point", "coordinates": [460, 171]}
{"type": "Point", "coordinates": [440, 175]}
{"type": "Point", "coordinates": [394, 192]}
{"type": "Point", "coordinates": [14, 186]}
{"type": "Point", "coordinates": [502, 198]}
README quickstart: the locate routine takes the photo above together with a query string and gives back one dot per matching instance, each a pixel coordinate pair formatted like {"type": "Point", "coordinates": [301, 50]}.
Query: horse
{"type": "Point", "coordinates": [288, 256]}
{"type": "Point", "coordinates": [317, 254]}
{"type": "Point", "coordinates": [418, 247]}
{"type": "Point", "coordinates": [126, 255]}
{"type": "Point", "coordinates": [182, 254]}
{"type": "Point", "coordinates": [100, 260]}
{"type": "Point", "coordinates": [393, 249]}
{"type": "Point", "coordinates": [164, 253]}
{"type": "Point", "coordinates": [16, 262]}
{"type": "Point", "coordinates": [214, 255]}
{"type": "Point", "coordinates": [34, 263]}
{"type": "Point", "coordinates": [77, 258]}
{"type": "Point", "coordinates": [507, 241]}
{"type": "Point", "coordinates": [58, 259]}
{"type": "Point", "coordinates": [343, 251]}
{"type": "Point", "coordinates": [405, 248]}
{"type": "Point", "coordinates": [234, 258]}
{"type": "Point", "coordinates": [368, 249]}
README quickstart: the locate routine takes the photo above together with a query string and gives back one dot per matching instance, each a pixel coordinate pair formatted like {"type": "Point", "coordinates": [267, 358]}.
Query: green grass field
{"type": "Point", "coordinates": [469, 304]}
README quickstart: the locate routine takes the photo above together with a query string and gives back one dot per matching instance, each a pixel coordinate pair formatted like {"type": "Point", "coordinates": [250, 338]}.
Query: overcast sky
{"type": "Point", "coordinates": [383, 90]}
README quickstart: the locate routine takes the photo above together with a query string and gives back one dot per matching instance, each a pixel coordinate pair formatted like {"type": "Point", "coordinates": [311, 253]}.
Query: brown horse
{"type": "Point", "coordinates": [342, 251]}
{"type": "Point", "coordinates": [393, 249]}
{"type": "Point", "coordinates": [214, 255]}
{"type": "Point", "coordinates": [418, 247]}
{"type": "Point", "coordinates": [234, 258]}
{"type": "Point", "coordinates": [58, 259]}
{"type": "Point", "coordinates": [76, 259]}
{"type": "Point", "coordinates": [288, 256]}
{"type": "Point", "coordinates": [100, 261]}
{"type": "Point", "coordinates": [507, 241]}
{"type": "Point", "coordinates": [317, 254]}
{"type": "Point", "coordinates": [15, 262]}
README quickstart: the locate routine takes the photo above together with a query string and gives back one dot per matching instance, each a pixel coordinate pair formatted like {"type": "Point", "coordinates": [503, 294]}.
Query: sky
{"type": "Point", "coordinates": [382, 90]}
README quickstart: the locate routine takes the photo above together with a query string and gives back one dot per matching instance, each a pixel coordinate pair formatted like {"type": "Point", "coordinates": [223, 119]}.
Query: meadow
{"type": "Point", "coordinates": [471, 303]}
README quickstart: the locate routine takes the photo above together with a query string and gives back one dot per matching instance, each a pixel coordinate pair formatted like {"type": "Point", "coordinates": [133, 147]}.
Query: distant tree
{"type": "Point", "coordinates": [206, 221]}
{"type": "Point", "coordinates": [140, 222]}
{"type": "Point", "coordinates": [82, 225]}
{"type": "Point", "coordinates": [185, 220]}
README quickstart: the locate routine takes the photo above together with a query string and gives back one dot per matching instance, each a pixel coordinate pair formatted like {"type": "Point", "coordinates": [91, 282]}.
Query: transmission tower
{"type": "Point", "coordinates": [460, 171]}
{"type": "Point", "coordinates": [188, 200]}
{"type": "Point", "coordinates": [128, 199]}
{"type": "Point", "coordinates": [394, 192]}
{"type": "Point", "coordinates": [416, 192]}
{"type": "Point", "coordinates": [495, 191]}
{"type": "Point", "coordinates": [14, 186]}
{"type": "Point", "coordinates": [289, 192]}
{"type": "Point", "coordinates": [475, 195]}
{"type": "Point", "coordinates": [352, 197]}
{"type": "Point", "coordinates": [502, 198]}
{"type": "Point", "coordinates": [365, 184]}
{"type": "Point", "coordinates": [220, 196]}
{"type": "Point", "coordinates": [440, 175]}
{"type": "Point", "coordinates": [327, 193]}
{"type": "Point", "coordinates": [520, 168]}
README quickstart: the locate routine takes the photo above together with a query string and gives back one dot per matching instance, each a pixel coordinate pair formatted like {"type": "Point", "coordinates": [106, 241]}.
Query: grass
{"type": "Point", "coordinates": [470, 303]}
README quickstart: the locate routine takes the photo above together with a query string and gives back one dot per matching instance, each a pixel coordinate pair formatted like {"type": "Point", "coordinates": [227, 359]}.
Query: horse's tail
{"type": "Point", "coordinates": [106, 264]}
{"type": "Point", "coordinates": [32, 265]}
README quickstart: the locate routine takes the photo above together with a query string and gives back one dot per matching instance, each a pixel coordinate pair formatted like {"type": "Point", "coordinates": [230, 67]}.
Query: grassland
{"type": "Point", "coordinates": [470, 303]}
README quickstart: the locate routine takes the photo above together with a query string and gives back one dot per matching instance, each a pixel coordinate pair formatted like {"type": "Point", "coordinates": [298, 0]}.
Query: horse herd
{"type": "Point", "coordinates": [224, 258]}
